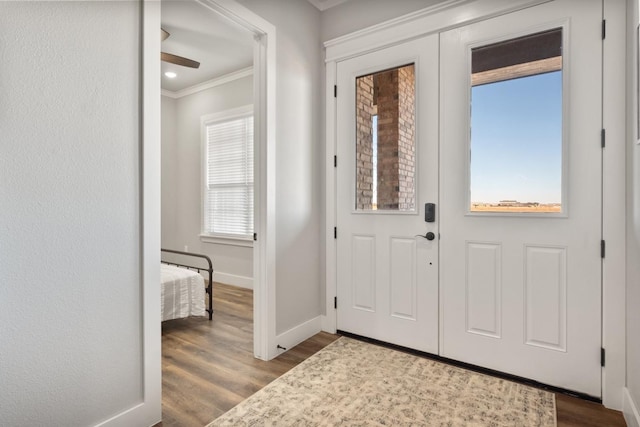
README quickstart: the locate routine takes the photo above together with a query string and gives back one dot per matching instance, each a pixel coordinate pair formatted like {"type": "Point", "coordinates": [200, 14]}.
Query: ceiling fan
{"type": "Point", "coordinates": [175, 59]}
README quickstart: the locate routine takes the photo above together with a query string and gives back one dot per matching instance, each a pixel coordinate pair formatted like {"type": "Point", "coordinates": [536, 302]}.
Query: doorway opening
{"type": "Point", "coordinates": [236, 71]}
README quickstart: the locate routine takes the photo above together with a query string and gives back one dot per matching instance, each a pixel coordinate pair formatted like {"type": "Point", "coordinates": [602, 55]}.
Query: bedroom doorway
{"type": "Point", "coordinates": [261, 63]}
{"type": "Point", "coordinates": [193, 342]}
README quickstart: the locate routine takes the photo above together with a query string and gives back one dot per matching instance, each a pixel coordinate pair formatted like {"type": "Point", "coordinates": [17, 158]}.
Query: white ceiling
{"type": "Point", "coordinates": [203, 35]}
{"type": "Point", "coordinates": [221, 46]}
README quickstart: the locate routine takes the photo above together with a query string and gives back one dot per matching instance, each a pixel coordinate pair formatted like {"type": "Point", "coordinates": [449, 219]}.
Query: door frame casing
{"type": "Point", "coordinates": [445, 16]}
{"type": "Point", "coordinates": [264, 102]}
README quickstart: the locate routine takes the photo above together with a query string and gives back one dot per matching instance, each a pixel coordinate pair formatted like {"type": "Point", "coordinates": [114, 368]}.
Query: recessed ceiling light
{"type": "Point", "coordinates": [170, 74]}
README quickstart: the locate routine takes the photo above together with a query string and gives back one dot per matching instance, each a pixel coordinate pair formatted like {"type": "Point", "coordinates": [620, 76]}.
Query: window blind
{"type": "Point", "coordinates": [228, 207]}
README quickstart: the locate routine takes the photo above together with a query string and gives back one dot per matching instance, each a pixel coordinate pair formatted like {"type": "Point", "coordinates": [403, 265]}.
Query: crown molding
{"type": "Point", "coordinates": [435, 18]}
{"type": "Point", "coordinates": [218, 81]}
{"type": "Point", "coordinates": [323, 5]}
{"type": "Point", "coordinates": [391, 23]}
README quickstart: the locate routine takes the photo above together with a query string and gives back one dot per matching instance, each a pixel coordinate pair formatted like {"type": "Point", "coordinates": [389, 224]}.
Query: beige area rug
{"type": "Point", "coordinates": [352, 383]}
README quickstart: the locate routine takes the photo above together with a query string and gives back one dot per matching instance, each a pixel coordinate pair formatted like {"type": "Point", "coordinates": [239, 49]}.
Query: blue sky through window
{"type": "Point", "coordinates": [516, 140]}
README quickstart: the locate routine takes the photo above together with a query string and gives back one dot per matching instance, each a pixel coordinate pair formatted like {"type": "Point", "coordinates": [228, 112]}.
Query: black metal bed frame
{"type": "Point", "coordinates": [209, 287]}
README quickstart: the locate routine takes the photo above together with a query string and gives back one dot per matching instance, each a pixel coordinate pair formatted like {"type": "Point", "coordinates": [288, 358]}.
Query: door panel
{"type": "Point", "coordinates": [402, 280]}
{"type": "Point", "coordinates": [387, 170]}
{"type": "Point", "coordinates": [484, 288]}
{"type": "Point", "coordinates": [545, 297]}
{"type": "Point", "coordinates": [363, 268]}
{"type": "Point", "coordinates": [520, 274]}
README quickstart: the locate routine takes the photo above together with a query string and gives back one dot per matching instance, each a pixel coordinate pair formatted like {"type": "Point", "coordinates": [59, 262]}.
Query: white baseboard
{"type": "Point", "coordinates": [296, 335]}
{"type": "Point", "coordinates": [232, 279]}
{"type": "Point", "coordinates": [630, 410]}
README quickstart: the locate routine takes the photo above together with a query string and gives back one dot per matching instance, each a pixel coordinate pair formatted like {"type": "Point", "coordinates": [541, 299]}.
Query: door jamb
{"type": "Point", "coordinates": [613, 202]}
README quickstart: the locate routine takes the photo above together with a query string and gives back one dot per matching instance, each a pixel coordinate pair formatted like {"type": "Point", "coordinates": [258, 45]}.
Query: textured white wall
{"type": "Point", "coordinates": [169, 173]}
{"type": "Point", "coordinates": [299, 200]}
{"type": "Point", "coordinates": [70, 300]}
{"type": "Point", "coordinates": [181, 166]}
{"type": "Point", "coordinates": [633, 215]}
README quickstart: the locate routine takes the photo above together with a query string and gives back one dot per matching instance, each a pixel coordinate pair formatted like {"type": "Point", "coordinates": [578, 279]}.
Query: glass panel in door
{"type": "Point", "coordinates": [516, 125]}
{"type": "Point", "coordinates": [385, 140]}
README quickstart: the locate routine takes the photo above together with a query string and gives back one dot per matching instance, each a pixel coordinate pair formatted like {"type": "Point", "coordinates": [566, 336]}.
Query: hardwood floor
{"type": "Point", "coordinates": [208, 367]}
{"type": "Point", "coordinates": [574, 412]}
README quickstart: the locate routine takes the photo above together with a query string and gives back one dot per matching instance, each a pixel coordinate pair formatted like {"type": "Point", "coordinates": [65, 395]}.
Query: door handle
{"type": "Point", "coordinates": [430, 236]}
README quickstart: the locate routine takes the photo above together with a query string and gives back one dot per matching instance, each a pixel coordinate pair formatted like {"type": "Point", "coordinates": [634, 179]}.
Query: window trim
{"type": "Point", "coordinates": [228, 240]}
{"type": "Point", "coordinates": [205, 120]}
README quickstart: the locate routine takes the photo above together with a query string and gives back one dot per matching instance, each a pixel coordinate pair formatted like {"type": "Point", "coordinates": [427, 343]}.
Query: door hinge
{"type": "Point", "coordinates": [255, 236]}
{"type": "Point", "coordinates": [604, 29]}
{"type": "Point", "coordinates": [335, 302]}
{"type": "Point", "coordinates": [335, 232]}
{"type": "Point", "coordinates": [335, 161]}
{"type": "Point", "coordinates": [335, 91]}
{"type": "Point", "coordinates": [602, 248]}
{"type": "Point", "coordinates": [602, 357]}
{"type": "Point", "coordinates": [603, 137]}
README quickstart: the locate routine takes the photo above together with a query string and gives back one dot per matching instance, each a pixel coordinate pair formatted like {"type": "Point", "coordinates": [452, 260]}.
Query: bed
{"type": "Point", "coordinates": [183, 287]}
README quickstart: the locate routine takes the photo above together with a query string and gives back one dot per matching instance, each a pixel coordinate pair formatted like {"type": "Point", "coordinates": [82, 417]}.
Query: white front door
{"type": "Point", "coordinates": [521, 194]}
{"type": "Point", "coordinates": [387, 170]}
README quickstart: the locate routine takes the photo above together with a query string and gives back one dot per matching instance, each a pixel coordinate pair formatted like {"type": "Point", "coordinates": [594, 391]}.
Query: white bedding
{"type": "Point", "coordinates": [183, 293]}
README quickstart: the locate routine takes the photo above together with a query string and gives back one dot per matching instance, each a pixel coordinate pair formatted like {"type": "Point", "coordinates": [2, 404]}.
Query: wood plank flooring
{"type": "Point", "coordinates": [208, 367]}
